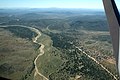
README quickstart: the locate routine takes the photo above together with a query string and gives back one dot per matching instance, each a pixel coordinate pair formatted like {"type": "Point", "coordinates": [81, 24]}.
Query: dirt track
{"type": "Point", "coordinates": [41, 53]}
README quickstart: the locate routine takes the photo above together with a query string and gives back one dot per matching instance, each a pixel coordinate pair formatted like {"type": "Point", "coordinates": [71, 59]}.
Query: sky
{"type": "Point", "coordinates": [89, 4]}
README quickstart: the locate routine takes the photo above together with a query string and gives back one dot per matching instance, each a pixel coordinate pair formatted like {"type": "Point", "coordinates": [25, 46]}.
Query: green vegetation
{"type": "Point", "coordinates": [102, 38]}
{"type": "Point", "coordinates": [51, 60]}
{"type": "Point", "coordinates": [16, 56]}
{"type": "Point", "coordinates": [76, 63]}
{"type": "Point", "coordinates": [62, 30]}
{"type": "Point", "coordinates": [21, 32]}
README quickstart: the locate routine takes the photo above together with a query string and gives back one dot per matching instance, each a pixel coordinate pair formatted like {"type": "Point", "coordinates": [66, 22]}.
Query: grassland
{"type": "Point", "coordinates": [21, 46]}
{"type": "Point", "coordinates": [16, 56]}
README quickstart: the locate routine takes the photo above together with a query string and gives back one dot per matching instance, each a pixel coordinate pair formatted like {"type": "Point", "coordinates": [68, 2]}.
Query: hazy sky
{"type": "Point", "coordinates": [96, 4]}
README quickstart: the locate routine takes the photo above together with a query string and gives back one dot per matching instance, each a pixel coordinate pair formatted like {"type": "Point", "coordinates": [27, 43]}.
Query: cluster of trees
{"type": "Point", "coordinates": [21, 32]}
{"type": "Point", "coordinates": [76, 63]}
{"type": "Point", "coordinates": [61, 41]}
{"type": "Point", "coordinates": [102, 38]}
{"type": "Point", "coordinates": [80, 64]}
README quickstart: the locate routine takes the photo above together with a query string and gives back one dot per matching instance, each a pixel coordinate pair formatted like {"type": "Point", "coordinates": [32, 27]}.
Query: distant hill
{"type": "Point", "coordinates": [89, 22]}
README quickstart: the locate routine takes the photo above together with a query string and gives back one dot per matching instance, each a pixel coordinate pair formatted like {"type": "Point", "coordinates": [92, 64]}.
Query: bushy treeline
{"type": "Point", "coordinates": [21, 32]}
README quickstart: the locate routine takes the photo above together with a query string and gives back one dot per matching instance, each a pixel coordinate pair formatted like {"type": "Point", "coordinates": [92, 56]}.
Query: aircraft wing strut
{"type": "Point", "coordinates": [113, 18]}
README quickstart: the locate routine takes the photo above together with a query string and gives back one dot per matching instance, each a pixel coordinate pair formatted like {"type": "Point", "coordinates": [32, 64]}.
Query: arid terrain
{"type": "Point", "coordinates": [55, 44]}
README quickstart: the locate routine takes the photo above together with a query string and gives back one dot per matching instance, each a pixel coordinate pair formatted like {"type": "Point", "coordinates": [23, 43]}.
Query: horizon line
{"type": "Point", "coordinates": [48, 8]}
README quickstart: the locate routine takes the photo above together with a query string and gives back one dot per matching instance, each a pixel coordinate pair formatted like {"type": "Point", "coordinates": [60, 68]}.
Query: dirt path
{"type": "Point", "coordinates": [41, 53]}
{"type": "Point", "coordinates": [40, 48]}
{"type": "Point", "coordinates": [98, 63]}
